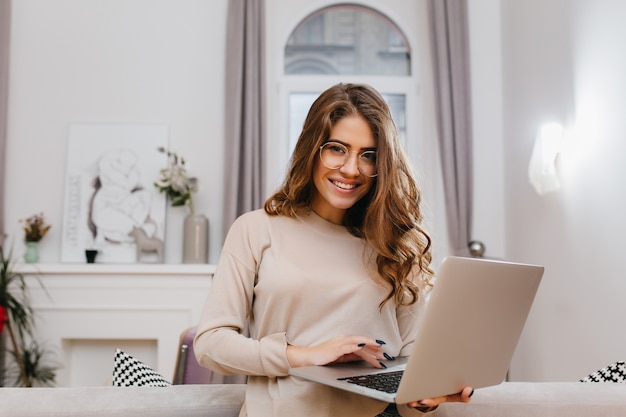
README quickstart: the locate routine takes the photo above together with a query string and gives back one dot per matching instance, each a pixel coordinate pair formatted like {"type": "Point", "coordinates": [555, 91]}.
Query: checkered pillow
{"type": "Point", "coordinates": [616, 372]}
{"type": "Point", "coordinates": [130, 372]}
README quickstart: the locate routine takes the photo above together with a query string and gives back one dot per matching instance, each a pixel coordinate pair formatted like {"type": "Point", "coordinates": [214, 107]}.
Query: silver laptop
{"type": "Point", "coordinates": [467, 337]}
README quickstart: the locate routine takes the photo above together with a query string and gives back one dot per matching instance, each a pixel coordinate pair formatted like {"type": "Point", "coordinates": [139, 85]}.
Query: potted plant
{"type": "Point", "coordinates": [175, 183]}
{"type": "Point", "coordinates": [18, 327]}
{"type": "Point", "coordinates": [179, 187]}
{"type": "Point", "coordinates": [35, 228]}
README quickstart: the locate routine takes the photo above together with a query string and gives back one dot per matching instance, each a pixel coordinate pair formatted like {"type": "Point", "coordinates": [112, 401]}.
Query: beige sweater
{"type": "Point", "coordinates": [300, 281]}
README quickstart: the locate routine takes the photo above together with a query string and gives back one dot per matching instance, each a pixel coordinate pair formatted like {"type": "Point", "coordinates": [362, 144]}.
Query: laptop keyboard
{"type": "Point", "coordinates": [386, 381]}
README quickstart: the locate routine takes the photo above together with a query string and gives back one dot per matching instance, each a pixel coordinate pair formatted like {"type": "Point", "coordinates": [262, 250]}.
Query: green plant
{"type": "Point", "coordinates": [34, 366]}
{"type": "Point", "coordinates": [175, 183]}
{"type": "Point", "coordinates": [19, 324]}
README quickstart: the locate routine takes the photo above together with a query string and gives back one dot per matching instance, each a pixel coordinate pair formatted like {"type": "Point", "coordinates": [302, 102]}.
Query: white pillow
{"type": "Point", "coordinates": [130, 372]}
{"type": "Point", "coordinates": [615, 372]}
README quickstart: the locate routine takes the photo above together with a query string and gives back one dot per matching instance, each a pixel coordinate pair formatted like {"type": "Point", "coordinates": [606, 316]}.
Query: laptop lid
{"type": "Point", "coordinates": [467, 337]}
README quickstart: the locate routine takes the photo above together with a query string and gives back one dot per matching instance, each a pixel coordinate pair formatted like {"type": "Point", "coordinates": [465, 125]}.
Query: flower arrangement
{"type": "Point", "coordinates": [35, 227]}
{"type": "Point", "coordinates": [175, 183]}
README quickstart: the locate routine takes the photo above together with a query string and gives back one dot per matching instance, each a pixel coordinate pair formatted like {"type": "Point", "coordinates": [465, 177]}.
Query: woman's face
{"type": "Point", "coordinates": [336, 190]}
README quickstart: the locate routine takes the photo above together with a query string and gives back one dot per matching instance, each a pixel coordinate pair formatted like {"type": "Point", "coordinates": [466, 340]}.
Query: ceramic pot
{"type": "Point", "coordinates": [90, 255]}
{"type": "Point", "coordinates": [32, 252]}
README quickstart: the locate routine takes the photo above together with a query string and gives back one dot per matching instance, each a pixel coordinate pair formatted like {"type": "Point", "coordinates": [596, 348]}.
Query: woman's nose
{"type": "Point", "coordinates": [351, 167]}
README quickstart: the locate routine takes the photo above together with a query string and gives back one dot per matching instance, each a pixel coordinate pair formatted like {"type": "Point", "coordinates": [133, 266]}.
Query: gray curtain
{"type": "Point", "coordinates": [5, 32]}
{"type": "Point", "coordinates": [245, 116]}
{"type": "Point", "coordinates": [450, 46]}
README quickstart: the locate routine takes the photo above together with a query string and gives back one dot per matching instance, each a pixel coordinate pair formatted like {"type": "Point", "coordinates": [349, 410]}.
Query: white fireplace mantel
{"type": "Point", "coordinates": [85, 311]}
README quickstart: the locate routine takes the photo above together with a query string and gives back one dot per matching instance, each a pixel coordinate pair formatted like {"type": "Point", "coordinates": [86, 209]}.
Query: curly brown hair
{"type": "Point", "coordinates": [388, 217]}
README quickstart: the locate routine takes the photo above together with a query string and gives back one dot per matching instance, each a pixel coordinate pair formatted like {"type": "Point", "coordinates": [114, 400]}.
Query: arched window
{"type": "Point", "coordinates": [384, 45]}
{"type": "Point", "coordinates": [350, 40]}
{"type": "Point", "coordinates": [341, 43]}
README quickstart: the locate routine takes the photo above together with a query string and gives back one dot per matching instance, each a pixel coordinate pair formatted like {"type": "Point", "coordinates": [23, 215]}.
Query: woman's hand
{"type": "Point", "coordinates": [338, 349]}
{"type": "Point", "coordinates": [463, 397]}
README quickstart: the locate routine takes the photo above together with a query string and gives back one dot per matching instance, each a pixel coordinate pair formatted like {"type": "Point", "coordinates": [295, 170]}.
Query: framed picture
{"type": "Point", "coordinates": [109, 190]}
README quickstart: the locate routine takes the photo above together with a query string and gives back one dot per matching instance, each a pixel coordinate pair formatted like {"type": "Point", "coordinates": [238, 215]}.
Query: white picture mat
{"type": "Point", "coordinates": [109, 189]}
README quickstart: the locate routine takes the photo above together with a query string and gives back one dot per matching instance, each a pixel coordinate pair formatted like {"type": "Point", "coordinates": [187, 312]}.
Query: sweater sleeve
{"type": "Point", "coordinates": [409, 319]}
{"type": "Point", "coordinates": [222, 343]}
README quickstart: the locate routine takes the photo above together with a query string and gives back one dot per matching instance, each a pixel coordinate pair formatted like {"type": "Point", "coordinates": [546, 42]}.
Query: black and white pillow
{"type": "Point", "coordinates": [130, 372]}
{"type": "Point", "coordinates": [615, 372]}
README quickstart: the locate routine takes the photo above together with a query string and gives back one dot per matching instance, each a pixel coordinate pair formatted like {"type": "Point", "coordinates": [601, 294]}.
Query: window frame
{"type": "Point", "coordinates": [281, 85]}
{"type": "Point", "coordinates": [411, 17]}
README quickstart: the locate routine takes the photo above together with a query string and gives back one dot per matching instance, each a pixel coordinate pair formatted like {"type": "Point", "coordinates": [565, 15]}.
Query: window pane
{"type": "Point", "coordinates": [397, 105]}
{"type": "Point", "coordinates": [299, 104]}
{"type": "Point", "coordinates": [347, 39]}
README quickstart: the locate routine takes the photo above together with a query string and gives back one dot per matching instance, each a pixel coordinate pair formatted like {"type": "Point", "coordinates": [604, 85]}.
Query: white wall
{"type": "Point", "coordinates": [486, 72]}
{"type": "Point", "coordinates": [114, 61]}
{"type": "Point", "coordinates": [563, 60]}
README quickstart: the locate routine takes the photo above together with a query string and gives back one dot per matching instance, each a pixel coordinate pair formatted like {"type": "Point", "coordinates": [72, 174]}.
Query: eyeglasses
{"type": "Point", "coordinates": [334, 155]}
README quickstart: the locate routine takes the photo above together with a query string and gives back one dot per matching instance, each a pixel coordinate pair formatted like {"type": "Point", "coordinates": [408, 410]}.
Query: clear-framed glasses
{"type": "Point", "coordinates": [334, 155]}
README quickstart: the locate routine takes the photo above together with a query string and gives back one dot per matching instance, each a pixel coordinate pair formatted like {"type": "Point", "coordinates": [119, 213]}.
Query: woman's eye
{"type": "Point", "coordinates": [337, 148]}
{"type": "Point", "coordinates": [369, 156]}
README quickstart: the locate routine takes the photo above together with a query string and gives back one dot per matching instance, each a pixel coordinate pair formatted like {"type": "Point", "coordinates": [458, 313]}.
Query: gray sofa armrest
{"type": "Point", "coordinates": [510, 399]}
{"type": "Point", "coordinates": [542, 399]}
{"type": "Point", "coordinates": [177, 400]}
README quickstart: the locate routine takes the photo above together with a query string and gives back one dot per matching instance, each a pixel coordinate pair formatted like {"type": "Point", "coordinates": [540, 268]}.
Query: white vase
{"type": "Point", "coordinates": [196, 239]}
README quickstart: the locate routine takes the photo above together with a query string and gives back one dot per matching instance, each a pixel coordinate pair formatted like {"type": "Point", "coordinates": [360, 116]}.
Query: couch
{"type": "Point", "coordinates": [509, 399]}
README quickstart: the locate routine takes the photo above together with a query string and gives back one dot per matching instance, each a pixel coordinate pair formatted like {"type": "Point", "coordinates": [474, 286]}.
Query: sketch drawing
{"type": "Point", "coordinates": [110, 195]}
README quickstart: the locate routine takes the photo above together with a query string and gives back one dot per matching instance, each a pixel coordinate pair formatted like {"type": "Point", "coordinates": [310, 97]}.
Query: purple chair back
{"type": "Point", "coordinates": [189, 371]}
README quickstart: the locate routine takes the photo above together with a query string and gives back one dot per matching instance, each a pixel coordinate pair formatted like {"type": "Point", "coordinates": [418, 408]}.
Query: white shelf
{"type": "Point", "coordinates": [67, 269]}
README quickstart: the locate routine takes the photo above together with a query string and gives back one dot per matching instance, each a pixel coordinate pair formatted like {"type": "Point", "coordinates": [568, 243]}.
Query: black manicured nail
{"type": "Point", "coordinates": [389, 358]}
{"type": "Point", "coordinates": [471, 393]}
{"type": "Point", "coordinates": [380, 342]}
{"type": "Point", "coordinates": [382, 364]}
{"type": "Point", "coordinates": [361, 345]}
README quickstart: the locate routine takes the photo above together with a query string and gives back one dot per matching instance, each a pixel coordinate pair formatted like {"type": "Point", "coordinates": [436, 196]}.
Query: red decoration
{"type": "Point", "coordinates": [3, 317]}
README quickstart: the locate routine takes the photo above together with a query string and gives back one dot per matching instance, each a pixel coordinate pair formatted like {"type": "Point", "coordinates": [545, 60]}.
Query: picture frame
{"type": "Point", "coordinates": [110, 192]}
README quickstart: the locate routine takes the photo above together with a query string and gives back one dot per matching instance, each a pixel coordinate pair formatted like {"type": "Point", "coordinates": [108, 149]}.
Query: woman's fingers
{"type": "Point", "coordinates": [338, 349]}
{"type": "Point", "coordinates": [464, 396]}
{"type": "Point", "coordinates": [361, 348]}
{"type": "Point", "coordinates": [369, 350]}
{"type": "Point", "coordinates": [373, 357]}
{"type": "Point", "coordinates": [373, 353]}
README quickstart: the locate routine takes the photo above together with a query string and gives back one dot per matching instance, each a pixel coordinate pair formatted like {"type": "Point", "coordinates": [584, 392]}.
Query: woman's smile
{"type": "Point", "coordinates": [343, 185]}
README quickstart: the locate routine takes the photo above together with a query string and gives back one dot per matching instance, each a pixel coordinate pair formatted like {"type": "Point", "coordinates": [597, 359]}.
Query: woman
{"type": "Point", "coordinates": [334, 268]}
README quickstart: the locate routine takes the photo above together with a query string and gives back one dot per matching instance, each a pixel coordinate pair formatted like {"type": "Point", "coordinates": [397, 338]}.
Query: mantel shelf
{"type": "Point", "coordinates": [108, 269]}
